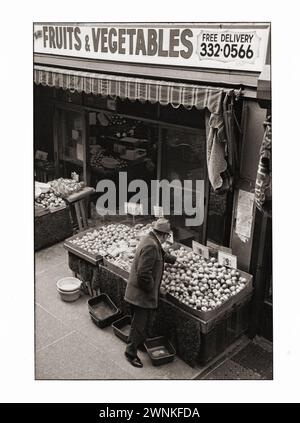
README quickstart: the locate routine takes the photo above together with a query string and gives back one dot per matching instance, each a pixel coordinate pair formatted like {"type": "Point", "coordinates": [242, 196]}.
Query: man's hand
{"type": "Point", "coordinates": [163, 291]}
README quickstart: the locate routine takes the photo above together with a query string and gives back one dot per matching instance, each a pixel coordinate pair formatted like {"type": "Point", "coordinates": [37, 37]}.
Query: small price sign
{"type": "Point", "coordinates": [200, 249]}
{"type": "Point", "coordinates": [158, 211]}
{"type": "Point", "coordinates": [171, 238]}
{"type": "Point", "coordinates": [226, 259]}
{"type": "Point", "coordinates": [134, 209]}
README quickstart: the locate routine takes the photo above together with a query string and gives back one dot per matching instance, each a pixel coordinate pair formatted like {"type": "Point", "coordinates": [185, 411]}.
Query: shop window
{"type": "Point", "coordinates": [181, 116]}
{"type": "Point", "coordinates": [99, 102]}
{"type": "Point", "coordinates": [70, 134]}
{"type": "Point", "coordinates": [64, 96]}
{"type": "Point", "coordinates": [45, 92]}
{"type": "Point", "coordinates": [130, 143]}
{"type": "Point", "coordinates": [184, 159]}
{"type": "Point", "coordinates": [73, 97]}
{"type": "Point", "coordinates": [59, 94]}
{"type": "Point", "coordinates": [219, 217]}
{"type": "Point", "coordinates": [145, 110]}
{"type": "Point", "coordinates": [43, 134]}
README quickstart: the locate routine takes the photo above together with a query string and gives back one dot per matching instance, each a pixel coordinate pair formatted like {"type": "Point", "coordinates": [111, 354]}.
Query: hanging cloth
{"type": "Point", "coordinates": [229, 120]}
{"type": "Point", "coordinates": [264, 171]}
{"type": "Point", "coordinates": [216, 147]}
{"type": "Point", "coordinates": [221, 146]}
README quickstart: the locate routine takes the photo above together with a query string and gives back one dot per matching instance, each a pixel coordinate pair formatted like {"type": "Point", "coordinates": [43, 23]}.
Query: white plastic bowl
{"type": "Point", "coordinates": [68, 284]}
{"type": "Point", "coordinates": [69, 296]}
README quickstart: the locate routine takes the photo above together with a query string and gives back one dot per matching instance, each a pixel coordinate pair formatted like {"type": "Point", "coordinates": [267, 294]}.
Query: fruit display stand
{"type": "Point", "coordinates": [196, 341]}
{"type": "Point", "coordinates": [80, 252]}
{"type": "Point", "coordinates": [91, 246]}
{"type": "Point", "coordinates": [53, 221]}
{"type": "Point", "coordinates": [210, 315]}
{"type": "Point", "coordinates": [51, 227]}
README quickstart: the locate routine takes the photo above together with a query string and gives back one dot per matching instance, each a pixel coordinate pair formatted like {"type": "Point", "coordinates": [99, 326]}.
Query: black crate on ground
{"type": "Point", "coordinates": [103, 311]}
{"type": "Point", "coordinates": [121, 327]}
{"type": "Point", "coordinates": [160, 350]}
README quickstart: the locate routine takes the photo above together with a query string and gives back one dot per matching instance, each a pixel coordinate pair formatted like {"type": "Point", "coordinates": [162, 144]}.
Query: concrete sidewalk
{"type": "Point", "coordinates": [70, 346]}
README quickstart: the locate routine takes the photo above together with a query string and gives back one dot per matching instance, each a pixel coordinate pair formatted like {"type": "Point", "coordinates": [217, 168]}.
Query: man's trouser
{"type": "Point", "coordinates": [138, 330]}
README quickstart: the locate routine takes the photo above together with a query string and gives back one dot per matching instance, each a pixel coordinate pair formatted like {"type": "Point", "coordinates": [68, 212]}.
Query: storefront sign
{"type": "Point", "coordinates": [241, 47]}
{"type": "Point", "coordinates": [200, 249]}
{"type": "Point", "coordinates": [226, 259]}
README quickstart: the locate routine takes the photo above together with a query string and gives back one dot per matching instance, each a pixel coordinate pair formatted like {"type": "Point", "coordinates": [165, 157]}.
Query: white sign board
{"type": "Point", "coordinates": [133, 208]}
{"type": "Point", "coordinates": [200, 249]}
{"type": "Point", "coordinates": [226, 259]}
{"type": "Point", "coordinates": [158, 211]}
{"type": "Point", "coordinates": [171, 238]}
{"type": "Point", "coordinates": [244, 215]}
{"type": "Point", "coordinates": [226, 46]}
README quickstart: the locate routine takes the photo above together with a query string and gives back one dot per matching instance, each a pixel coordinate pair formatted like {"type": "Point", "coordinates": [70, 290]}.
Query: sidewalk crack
{"type": "Point", "coordinates": [55, 342]}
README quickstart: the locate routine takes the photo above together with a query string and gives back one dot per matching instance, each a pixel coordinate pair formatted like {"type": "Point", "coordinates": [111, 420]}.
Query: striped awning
{"type": "Point", "coordinates": [164, 92]}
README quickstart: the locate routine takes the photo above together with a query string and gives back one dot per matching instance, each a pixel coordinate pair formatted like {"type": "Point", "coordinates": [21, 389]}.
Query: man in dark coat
{"type": "Point", "coordinates": [142, 291]}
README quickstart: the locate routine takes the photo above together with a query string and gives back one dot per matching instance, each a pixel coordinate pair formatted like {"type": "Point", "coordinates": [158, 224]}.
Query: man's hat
{"type": "Point", "coordinates": [162, 225]}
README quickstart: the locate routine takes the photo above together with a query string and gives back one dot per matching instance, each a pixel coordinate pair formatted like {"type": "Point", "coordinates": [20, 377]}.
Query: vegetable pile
{"type": "Point", "coordinates": [48, 200]}
{"type": "Point", "coordinates": [200, 283]}
{"type": "Point", "coordinates": [117, 242]}
{"type": "Point", "coordinates": [96, 160]}
{"type": "Point", "coordinates": [64, 187]}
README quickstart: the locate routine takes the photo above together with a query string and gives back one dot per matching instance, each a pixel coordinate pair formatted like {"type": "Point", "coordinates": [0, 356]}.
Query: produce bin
{"type": "Point", "coordinates": [51, 228]}
{"type": "Point", "coordinates": [160, 350]}
{"type": "Point", "coordinates": [110, 265]}
{"type": "Point", "coordinates": [93, 258]}
{"type": "Point", "coordinates": [80, 252]}
{"type": "Point", "coordinates": [121, 328]}
{"type": "Point", "coordinates": [103, 311]}
{"type": "Point", "coordinates": [211, 314]}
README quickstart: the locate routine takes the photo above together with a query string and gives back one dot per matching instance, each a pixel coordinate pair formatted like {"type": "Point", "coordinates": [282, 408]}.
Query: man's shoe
{"type": "Point", "coordinates": [135, 361]}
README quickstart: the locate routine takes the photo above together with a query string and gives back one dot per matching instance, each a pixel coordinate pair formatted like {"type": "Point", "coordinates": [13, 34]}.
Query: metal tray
{"type": "Point", "coordinates": [119, 327]}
